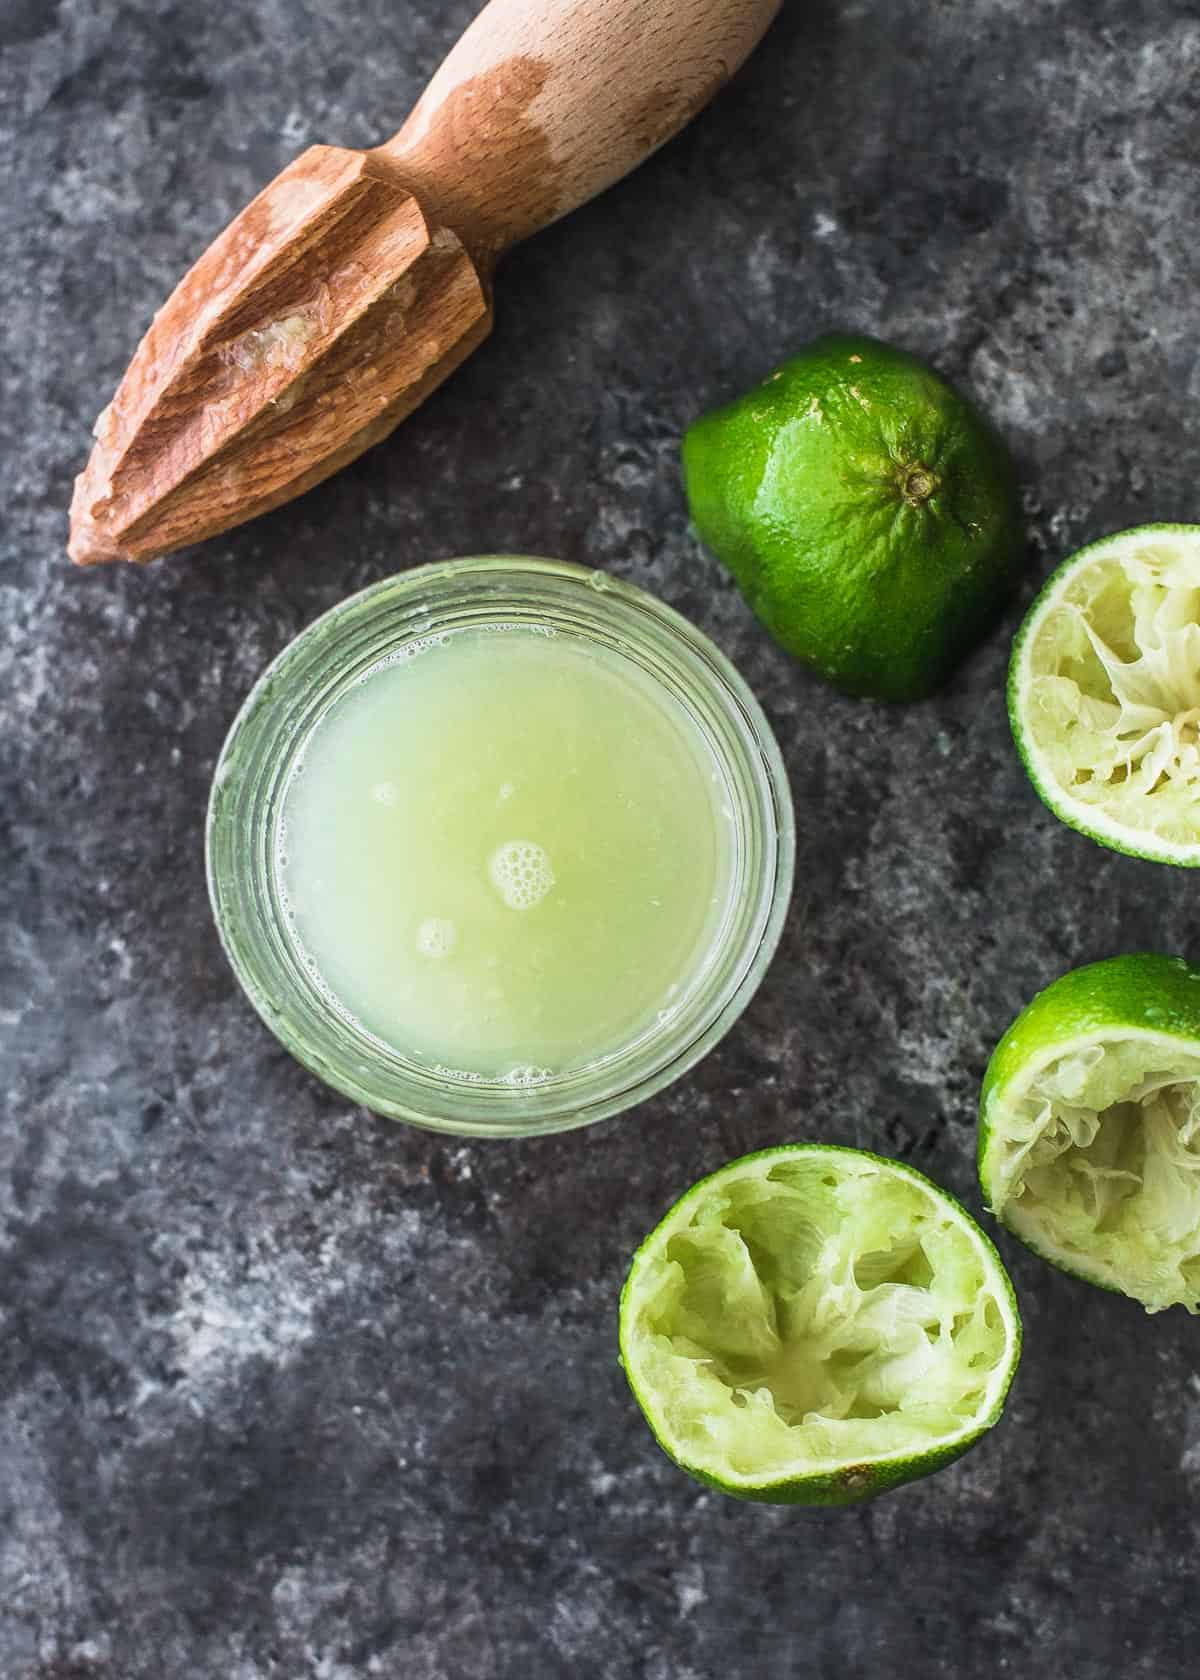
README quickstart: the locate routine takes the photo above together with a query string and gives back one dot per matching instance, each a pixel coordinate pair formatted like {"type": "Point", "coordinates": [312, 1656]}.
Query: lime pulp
{"type": "Point", "coordinates": [1089, 1136]}
{"type": "Point", "coordinates": [1104, 692]}
{"type": "Point", "coordinates": [814, 1324]}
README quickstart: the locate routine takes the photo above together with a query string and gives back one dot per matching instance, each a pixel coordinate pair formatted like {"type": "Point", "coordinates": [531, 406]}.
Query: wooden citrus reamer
{"type": "Point", "coordinates": [356, 281]}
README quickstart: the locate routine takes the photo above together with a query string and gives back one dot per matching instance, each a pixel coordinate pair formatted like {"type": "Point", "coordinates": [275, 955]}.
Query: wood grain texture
{"type": "Point", "coordinates": [544, 103]}
{"type": "Point", "coordinates": [322, 316]}
{"type": "Point", "coordinates": [357, 281]}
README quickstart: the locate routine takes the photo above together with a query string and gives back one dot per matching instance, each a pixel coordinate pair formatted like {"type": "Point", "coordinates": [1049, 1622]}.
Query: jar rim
{"type": "Point", "coordinates": [312, 671]}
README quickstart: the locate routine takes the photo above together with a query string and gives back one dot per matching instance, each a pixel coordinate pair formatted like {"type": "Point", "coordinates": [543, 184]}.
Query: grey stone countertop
{"type": "Point", "coordinates": [288, 1392]}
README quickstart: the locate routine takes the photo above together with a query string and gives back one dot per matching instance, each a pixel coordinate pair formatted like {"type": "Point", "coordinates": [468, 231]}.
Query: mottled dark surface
{"type": "Point", "coordinates": [287, 1391]}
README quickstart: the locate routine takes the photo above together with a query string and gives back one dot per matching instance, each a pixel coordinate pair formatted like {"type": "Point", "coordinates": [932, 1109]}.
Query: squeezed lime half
{"type": "Point", "coordinates": [1104, 692]}
{"type": "Point", "coordinates": [813, 1325]}
{"type": "Point", "coordinates": [1089, 1127]}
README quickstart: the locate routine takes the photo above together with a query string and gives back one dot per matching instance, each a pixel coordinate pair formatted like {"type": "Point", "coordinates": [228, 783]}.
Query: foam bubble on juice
{"type": "Point", "coordinates": [521, 873]}
{"type": "Point", "coordinates": [520, 1077]}
{"type": "Point", "coordinates": [385, 793]}
{"type": "Point", "coordinates": [436, 937]}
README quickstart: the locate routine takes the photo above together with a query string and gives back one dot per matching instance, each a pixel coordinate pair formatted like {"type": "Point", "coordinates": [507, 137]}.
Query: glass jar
{"type": "Point", "coordinates": [277, 720]}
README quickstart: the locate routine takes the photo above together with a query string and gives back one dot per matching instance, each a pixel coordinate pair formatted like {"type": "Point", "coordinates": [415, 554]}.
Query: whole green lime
{"type": "Point", "coordinates": [869, 512]}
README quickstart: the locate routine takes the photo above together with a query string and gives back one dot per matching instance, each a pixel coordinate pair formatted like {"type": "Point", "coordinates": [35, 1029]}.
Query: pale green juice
{"type": "Point", "coordinates": [507, 854]}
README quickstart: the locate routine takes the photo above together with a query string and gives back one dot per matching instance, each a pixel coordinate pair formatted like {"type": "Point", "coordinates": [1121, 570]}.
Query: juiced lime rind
{"type": "Point", "coordinates": [1080, 811]}
{"type": "Point", "coordinates": [860, 1474]}
{"type": "Point", "coordinates": [798, 488]}
{"type": "Point", "coordinates": [1128, 1025]}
